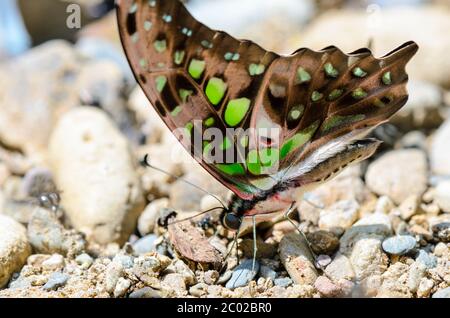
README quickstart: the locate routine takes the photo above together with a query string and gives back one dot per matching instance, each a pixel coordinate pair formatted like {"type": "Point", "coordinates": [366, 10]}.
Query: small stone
{"type": "Point", "coordinates": [442, 196]}
{"type": "Point", "coordinates": [323, 261]}
{"type": "Point", "coordinates": [243, 274]}
{"type": "Point", "coordinates": [399, 244]}
{"type": "Point", "coordinates": [283, 282]}
{"type": "Point", "coordinates": [114, 271]}
{"type": "Point", "coordinates": [38, 181]}
{"type": "Point", "coordinates": [398, 174]}
{"type": "Point", "coordinates": [210, 277]}
{"type": "Point", "coordinates": [198, 290]}
{"type": "Point", "coordinates": [175, 281]}
{"type": "Point", "coordinates": [148, 218]}
{"type": "Point", "coordinates": [440, 249]}
{"type": "Point", "coordinates": [340, 215]}
{"type": "Point", "coordinates": [323, 242]}
{"type": "Point", "coordinates": [145, 244]}
{"type": "Point", "coordinates": [429, 260]}
{"type": "Point", "coordinates": [442, 231]}
{"type": "Point", "coordinates": [416, 273]}
{"type": "Point", "coordinates": [56, 261]}
{"type": "Point", "coordinates": [267, 272]}
{"type": "Point", "coordinates": [84, 260]}
{"type": "Point", "coordinates": [14, 248]}
{"type": "Point", "coordinates": [146, 292]}
{"type": "Point", "coordinates": [225, 277]}
{"type": "Point", "coordinates": [367, 257]}
{"type": "Point", "coordinates": [384, 205]}
{"type": "Point", "coordinates": [297, 259]}
{"type": "Point", "coordinates": [442, 293]}
{"type": "Point", "coordinates": [122, 287]}
{"type": "Point", "coordinates": [409, 207]}
{"type": "Point", "coordinates": [440, 150]}
{"type": "Point", "coordinates": [56, 280]}
{"type": "Point", "coordinates": [180, 267]}
{"type": "Point", "coordinates": [326, 287]}
{"type": "Point", "coordinates": [425, 287]}
{"type": "Point", "coordinates": [340, 268]}
{"type": "Point", "coordinates": [414, 139]}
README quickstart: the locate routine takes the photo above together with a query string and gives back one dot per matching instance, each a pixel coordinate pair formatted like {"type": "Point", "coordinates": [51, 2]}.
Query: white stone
{"type": "Point", "coordinates": [340, 215]}
{"type": "Point", "coordinates": [56, 261]}
{"type": "Point", "coordinates": [96, 173]}
{"type": "Point", "coordinates": [398, 174]}
{"type": "Point", "coordinates": [148, 218]}
{"type": "Point", "coordinates": [440, 150]}
{"type": "Point", "coordinates": [442, 195]}
{"type": "Point", "coordinates": [14, 248]}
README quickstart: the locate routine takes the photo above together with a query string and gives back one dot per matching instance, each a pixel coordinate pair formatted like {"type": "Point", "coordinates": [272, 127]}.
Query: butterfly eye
{"type": "Point", "coordinates": [231, 221]}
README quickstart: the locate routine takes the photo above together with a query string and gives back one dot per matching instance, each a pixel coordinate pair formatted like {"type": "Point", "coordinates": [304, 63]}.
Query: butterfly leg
{"type": "Point", "coordinates": [286, 215]}
{"type": "Point", "coordinates": [255, 247]}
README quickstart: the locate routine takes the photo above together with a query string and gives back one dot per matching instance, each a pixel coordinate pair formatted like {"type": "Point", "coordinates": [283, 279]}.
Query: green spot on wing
{"type": "Point", "coordinates": [189, 126]}
{"type": "Point", "coordinates": [337, 120]}
{"type": "Point", "coordinates": [231, 169]}
{"type": "Point", "coordinates": [296, 112]}
{"type": "Point", "coordinates": [335, 93]}
{"type": "Point", "coordinates": [184, 93]}
{"type": "Point", "coordinates": [302, 76]}
{"type": "Point", "coordinates": [256, 69]}
{"type": "Point", "coordinates": [330, 70]}
{"type": "Point", "coordinates": [209, 122]}
{"type": "Point", "coordinates": [147, 25]}
{"type": "Point", "coordinates": [226, 144]}
{"type": "Point", "coordinates": [236, 111]}
{"type": "Point", "coordinates": [176, 111]}
{"type": "Point", "coordinates": [386, 78]}
{"type": "Point", "coordinates": [160, 45]}
{"type": "Point", "coordinates": [359, 93]}
{"type": "Point", "coordinates": [316, 96]}
{"type": "Point", "coordinates": [298, 140]}
{"type": "Point", "coordinates": [178, 57]}
{"type": "Point", "coordinates": [196, 68]}
{"type": "Point", "coordinates": [215, 90]}
{"type": "Point", "coordinates": [260, 162]}
{"type": "Point", "coordinates": [359, 72]}
{"type": "Point", "coordinates": [143, 63]}
{"type": "Point", "coordinates": [160, 83]}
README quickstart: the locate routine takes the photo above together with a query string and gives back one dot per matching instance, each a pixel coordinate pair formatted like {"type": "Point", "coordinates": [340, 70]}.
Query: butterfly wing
{"type": "Point", "coordinates": [273, 110]}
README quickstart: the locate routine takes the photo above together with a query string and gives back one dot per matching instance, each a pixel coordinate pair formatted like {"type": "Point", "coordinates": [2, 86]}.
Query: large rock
{"type": "Point", "coordinates": [388, 28]}
{"type": "Point", "coordinates": [440, 150]}
{"type": "Point", "coordinates": [442, 195]}
{"type": "Point", "coordinates": [14, 248]}
{"type": "Point", "coordinates": [46, 74]}
{"type": "Point", "coordinates": [95, 171]}
{"type": "Point", "coordinates": [398, 174]}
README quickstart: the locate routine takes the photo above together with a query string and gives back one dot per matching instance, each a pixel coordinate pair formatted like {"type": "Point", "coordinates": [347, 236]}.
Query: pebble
{"type": "Point", "coordinates": [37, 181]}
{"type": "Point", "coordinates": [297, 259]}
{"type": "Point", "coordinates": [91, 161]}
{"type": "Point", "coordinates": [84, 260]}
{"type": "Point", "coordinates": [442, 231]}
{"type": "Point", "coordinates": [323, 242]}
{"type": "Point", "coordinates": [243, 274]}
{"type": "Point", "coordinates": [398, 174]}
{"type": "Point", "coordinates": [367, 257]}
{"type": "Point", "coordinates": [442, 293]}
{"type": "Point", "coordinates": [322, 261]}
{"type": "Point", "coordinates": [113, 272]}
{"type": "Point", "coordinates": [48, 236]}
{"type": "Point", "coordinates": [342, 214]}
{"type": "Point", "coordinates": [175, 281]}
{"type": "Point", "coordinates": [225, 277]}
{"type": "Point", "coordinates": [210, 277]}
{"type": "Point", "coordinates": [122, 287]}
{"type": "Point", "coordinates": [425, 287]}
{"type": "Point", "coordinates": [326, 287]}
{"type": "Point", "coordinates": [429, 260]}
{"type": "Point", "coordinates": [283, 282]}
{"type": "Point", "coordinates": [14, 248]}
{"type": "Point", "coordinates": [440, 150]}
{"type": "Point", "coordinates": [56, 280]}
{"type": "Point", "coordinates": [199, 290]}
{"type": "Point", "coordinates": [56, 261]}
{"type": "Point", "coordinates": [384, 205]}
{"type": "Point", "coordinates": [340, 268]}
{"type": "Point", "coordinates": [399, 244]}
{"type": "Point", "coordinates": [416, 272]}
{"type": "Point", "coordinates": [409, 207]}
{"type": "Point", "coordinates": [267, 272]}
{"type": "Point", "coordinates": [145, 244]}
{"type": "Point", "coordinates": [441, 249]}
{"type": "Point", "coordinates": [148, 218]}
{"type": "Point", "coordinates": [146, 292]}
{"type": "Point", "coordinates": [442, 195]}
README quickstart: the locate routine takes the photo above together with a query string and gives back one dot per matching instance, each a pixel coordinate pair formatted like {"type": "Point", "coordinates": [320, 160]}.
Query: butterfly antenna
{"type": "Point", "coordinates": [194, 216]}
{"type": "Point", "coordinates": [147, 163]}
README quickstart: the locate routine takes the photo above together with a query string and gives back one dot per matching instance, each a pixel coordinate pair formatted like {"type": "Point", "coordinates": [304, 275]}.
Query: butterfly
{"type": "Point", "coordinates": [287, 123]}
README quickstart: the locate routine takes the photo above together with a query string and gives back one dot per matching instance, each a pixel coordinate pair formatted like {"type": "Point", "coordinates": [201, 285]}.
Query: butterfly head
{"type": "Point", "coordinates": [230, 220]}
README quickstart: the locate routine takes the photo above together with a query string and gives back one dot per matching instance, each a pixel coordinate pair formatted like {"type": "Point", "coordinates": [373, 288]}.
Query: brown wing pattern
{"type": "Point", "coordinates": [191, 73]}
